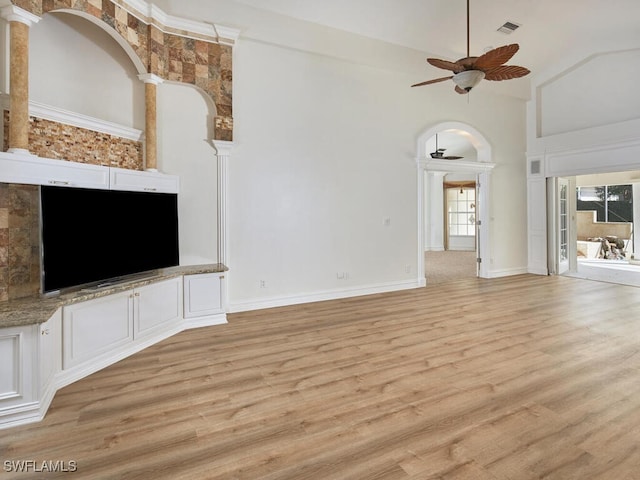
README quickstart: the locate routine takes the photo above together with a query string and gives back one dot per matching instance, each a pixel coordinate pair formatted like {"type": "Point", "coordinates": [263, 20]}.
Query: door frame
{"type": "Point", "coordinates": [556, 264]}
{"type": "Point", "coordinates": [481, 168]}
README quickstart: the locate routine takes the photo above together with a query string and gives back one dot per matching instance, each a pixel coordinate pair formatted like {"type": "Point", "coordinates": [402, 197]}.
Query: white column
{"type": "Point", "coordinates": [223, 149]}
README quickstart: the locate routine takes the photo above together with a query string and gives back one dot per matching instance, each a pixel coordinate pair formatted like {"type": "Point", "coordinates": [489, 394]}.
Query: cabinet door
{"type": "Point", "coordinates": [96, 327]}
{"type": "Point", "coordinates": [158, 306]}
{"type": "Point", "coordinates": [45, 171]}
{"type": "Point", "coordinates": [203, 294]}
{"type": "Point", "coordinates": [17, 351]}
{"type": "Point", "coordinates": [134, 180]}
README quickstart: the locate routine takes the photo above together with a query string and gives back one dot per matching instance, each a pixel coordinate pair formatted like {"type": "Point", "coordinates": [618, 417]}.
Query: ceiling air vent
{"type": "Point", "coordinates": [509, 27]}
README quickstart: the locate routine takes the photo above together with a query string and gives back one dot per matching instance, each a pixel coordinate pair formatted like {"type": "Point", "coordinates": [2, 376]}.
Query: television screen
{"type": "Point", "coordinates": [89, 236]}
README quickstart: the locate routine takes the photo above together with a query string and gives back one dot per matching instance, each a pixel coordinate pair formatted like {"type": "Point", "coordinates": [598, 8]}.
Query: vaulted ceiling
{"type": "Point", "coordinates": [550, 30]}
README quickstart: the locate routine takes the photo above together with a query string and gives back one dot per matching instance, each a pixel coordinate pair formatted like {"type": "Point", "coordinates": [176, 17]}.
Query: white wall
{"type": "Point", "coordinates": [600, 91]}
{"type": "Point", "coordinates": [76, 66]}
{"type": "Point", "coordinates": [184, 117]}
{"type": "Point", "coordinates": [325, 151]}
{"type": "Point", "coordinates": [583, 119]}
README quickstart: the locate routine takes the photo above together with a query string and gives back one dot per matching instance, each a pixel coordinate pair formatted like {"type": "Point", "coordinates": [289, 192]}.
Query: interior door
{"type": "Point", "coordinates": [562, 238]}
{"type": "Point", "coordinates": [562, 218]}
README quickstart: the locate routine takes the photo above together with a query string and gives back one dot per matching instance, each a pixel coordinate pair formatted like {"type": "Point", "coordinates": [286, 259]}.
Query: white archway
{"type": "Point", "coordinates": [481, 167]}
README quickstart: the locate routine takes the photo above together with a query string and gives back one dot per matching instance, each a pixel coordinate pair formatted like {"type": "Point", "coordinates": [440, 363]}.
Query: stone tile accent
{"type": "Point", "coordinates": [173, 55]}
{"type": "Point", "coordinates": [19, 241]}
{"type": "Point", "coordinates": [65, 142]}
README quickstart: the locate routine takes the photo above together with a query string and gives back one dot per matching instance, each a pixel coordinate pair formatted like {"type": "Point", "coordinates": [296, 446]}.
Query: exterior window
{"type": "Point", "coordinates": [461, 210]}
{"type": "Point", "coordinates": [614, 203]}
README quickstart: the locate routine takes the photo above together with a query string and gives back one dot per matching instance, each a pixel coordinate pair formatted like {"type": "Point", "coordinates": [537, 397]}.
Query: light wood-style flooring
{"type": "Point", "coordinates": [525, 377]}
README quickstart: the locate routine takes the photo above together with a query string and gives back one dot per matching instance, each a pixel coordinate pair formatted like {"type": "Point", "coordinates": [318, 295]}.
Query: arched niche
{"type": "Point", "coordinates": [430, 170]}
{"type": "Point", "coordinates": [172, 53]}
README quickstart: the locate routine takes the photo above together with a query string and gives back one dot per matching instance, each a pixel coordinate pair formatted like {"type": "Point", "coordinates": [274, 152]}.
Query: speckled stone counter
{"type": "Point", "coordinates": [35, 310]}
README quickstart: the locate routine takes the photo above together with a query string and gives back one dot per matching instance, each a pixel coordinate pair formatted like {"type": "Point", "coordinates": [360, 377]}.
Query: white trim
{"type": "Point", "coordinates": [206, 321]}
{"type": "Point", "coordinates": [508, 272]}
{"type": "Point", "coordinates": [55, 114]}
{"type": "Point", "coordinates": [227, 35]}
{"type": "Point", "coordinates": [223, 152]}
{"type": "Point", "coordinates": [184, 27]}
{"type": "Point", "coordinates": [482, 168]}
{"type": "Point", "coordinates": [150, 78]}
{"type": "Point", "coordinates": [259, 304]}
{"type": "Point", "coordinates": [455, 166]}
{"type": "Point", "coordinates": [11, 13]}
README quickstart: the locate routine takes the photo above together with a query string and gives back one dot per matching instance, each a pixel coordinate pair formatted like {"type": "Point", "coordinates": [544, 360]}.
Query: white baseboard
{"type": "Point", "coordinates": [507, 272]}
{"type": "Point", "coordinates": [208, 321]}
{"type": "Point", "coordinates": [283, 301]}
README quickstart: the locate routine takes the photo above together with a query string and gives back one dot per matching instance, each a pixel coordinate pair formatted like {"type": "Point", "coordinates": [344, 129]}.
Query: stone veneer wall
{"type": "Point", "coordinates": [55, 140]}
{"type": "Point", "coordinates": [19, 241]}
{"type": "Point", "coordinates": [177, 56]}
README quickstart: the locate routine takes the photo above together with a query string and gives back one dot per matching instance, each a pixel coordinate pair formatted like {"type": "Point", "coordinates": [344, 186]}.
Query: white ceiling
{"type": "Point", "coordinates": [551, 30]}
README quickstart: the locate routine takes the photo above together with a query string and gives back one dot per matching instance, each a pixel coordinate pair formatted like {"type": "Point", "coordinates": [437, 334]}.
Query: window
{"type": "Point", "coordinates": [461, 209]}
{"type": "Point", "coordinates": [613, 203]}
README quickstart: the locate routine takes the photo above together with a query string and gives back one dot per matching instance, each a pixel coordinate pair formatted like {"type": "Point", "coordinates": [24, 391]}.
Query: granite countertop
{"type": "Point", "coordinates": [38, 309]}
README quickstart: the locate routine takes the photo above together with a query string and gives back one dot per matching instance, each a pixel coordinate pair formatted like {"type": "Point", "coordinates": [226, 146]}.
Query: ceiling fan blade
{"type": "Point", "coordinates": [506, 72]}
{"type": "Point", "coordinates": [496, 57]}
{"type": "Point", "coordinates": [461, 91]}
{"type": "Point", "coordinates": [446, 65]}
{"type": "Point", "coordinates": [435, 80]}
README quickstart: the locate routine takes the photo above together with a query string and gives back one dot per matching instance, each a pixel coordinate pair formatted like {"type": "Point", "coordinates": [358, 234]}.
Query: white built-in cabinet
{"type": "Point", "coordinates": [203, 297]}
{"type": "Point", "coordinates": [82, 338]}
{"type": "Point", "coordinates": [33, 170]}
{"type": "Point", "coordinates": [30, 358]}
{"type": "Point", "coordinates": [134, 180]}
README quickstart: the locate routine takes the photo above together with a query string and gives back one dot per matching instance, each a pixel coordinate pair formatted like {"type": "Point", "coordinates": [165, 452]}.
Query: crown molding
{"type": "Point", "coordinates": [152, 14]}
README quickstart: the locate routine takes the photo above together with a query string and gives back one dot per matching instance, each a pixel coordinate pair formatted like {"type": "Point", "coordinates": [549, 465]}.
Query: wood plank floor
{"type": "Point", "coordinates": [523, 377]}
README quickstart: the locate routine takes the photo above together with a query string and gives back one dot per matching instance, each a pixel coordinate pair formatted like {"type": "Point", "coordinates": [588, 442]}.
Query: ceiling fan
{"type": "Point", "coordinates": [469, 71]}
{"type": "Point", "coordinates": [439, 153]}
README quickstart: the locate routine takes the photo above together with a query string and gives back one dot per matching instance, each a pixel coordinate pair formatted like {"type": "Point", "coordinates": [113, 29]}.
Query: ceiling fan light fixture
{"type": "Point", "coordinates": [468, 79]}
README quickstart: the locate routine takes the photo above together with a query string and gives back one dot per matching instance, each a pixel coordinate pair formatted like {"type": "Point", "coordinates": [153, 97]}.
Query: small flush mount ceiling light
{"type": "Point", "coordinates": [468, 79]}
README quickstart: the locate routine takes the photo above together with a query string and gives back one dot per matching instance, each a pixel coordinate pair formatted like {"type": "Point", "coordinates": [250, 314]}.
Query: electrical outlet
{"type": "Point", "coordinates": [340, 275]}
{"type": "Point", "coordinates": [407, 269]}
{"type": "Point", "coordinates": [263, 284]}
{"type": "Point", "coordinates": [386, 221]}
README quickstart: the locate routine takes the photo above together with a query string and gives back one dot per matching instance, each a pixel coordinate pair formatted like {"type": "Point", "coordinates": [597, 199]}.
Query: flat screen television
{"type": "Point", "coordinates": [96, 236]}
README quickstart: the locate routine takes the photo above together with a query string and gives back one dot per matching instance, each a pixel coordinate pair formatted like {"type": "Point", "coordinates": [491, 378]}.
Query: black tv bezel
{"type": "Point", "coordinates": [103, 282]}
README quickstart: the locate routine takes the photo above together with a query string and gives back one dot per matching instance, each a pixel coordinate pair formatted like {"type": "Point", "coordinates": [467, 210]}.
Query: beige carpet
{"type": "Point", "coordinates": [448, 266]}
